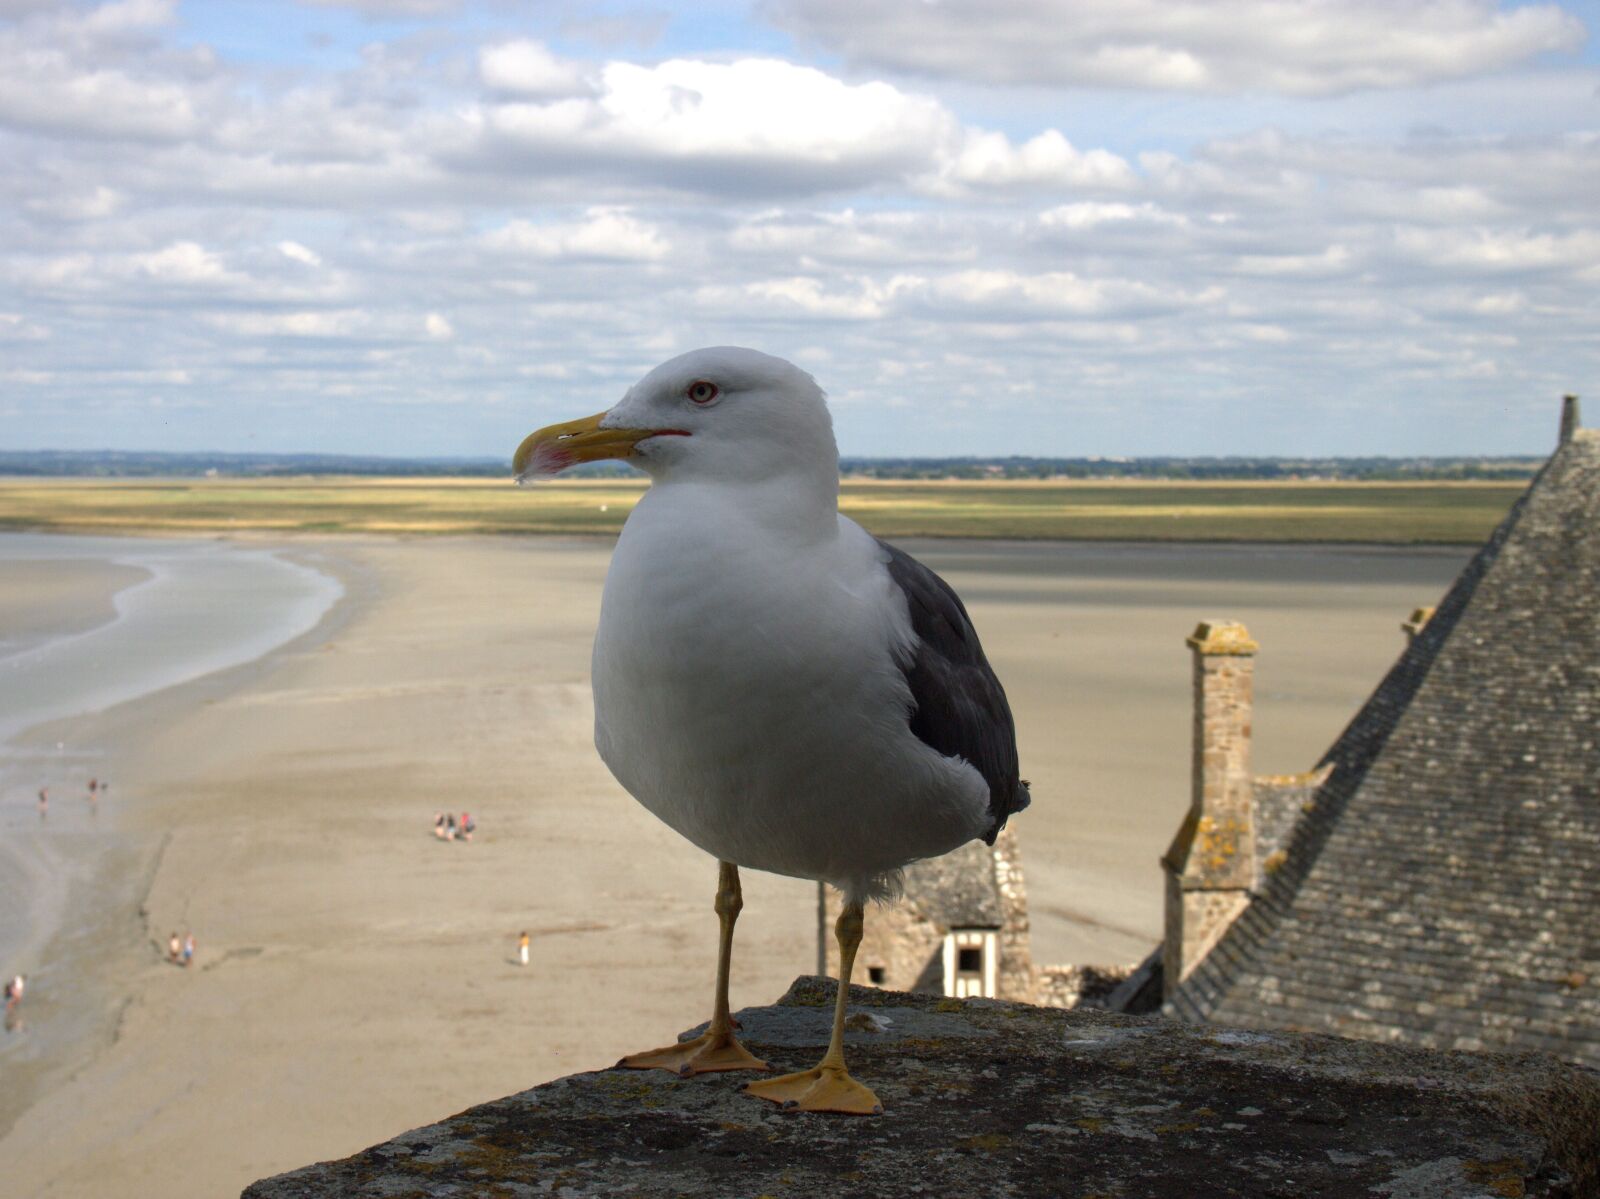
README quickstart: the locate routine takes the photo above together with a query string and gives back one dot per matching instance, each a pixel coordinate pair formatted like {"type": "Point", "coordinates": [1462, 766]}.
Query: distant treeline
{"type": "Point", "coordinates": [126, 464]}
{"type": "Point", "coordinates": [136, 464]}
{"type": "Point", "coordinates": [1377, 469]}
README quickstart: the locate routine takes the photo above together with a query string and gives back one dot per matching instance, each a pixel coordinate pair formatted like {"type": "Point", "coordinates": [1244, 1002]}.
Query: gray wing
{"type": "Point", "coordinates": [961, 709]}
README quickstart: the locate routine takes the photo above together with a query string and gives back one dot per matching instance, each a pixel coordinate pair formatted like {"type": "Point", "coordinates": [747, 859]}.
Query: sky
{"type": "Point", "coordinates": [1057, 227]}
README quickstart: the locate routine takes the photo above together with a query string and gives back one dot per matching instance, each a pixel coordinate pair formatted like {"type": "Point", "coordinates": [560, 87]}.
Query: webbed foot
{"type": "Point", "coordinates": [700, 1055]}
{"type": "Point", "coordinates": [821, 1089]}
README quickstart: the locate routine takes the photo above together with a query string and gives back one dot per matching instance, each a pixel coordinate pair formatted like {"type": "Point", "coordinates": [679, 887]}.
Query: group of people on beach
{"type": "Point", "coordinates": [446, 829]}
{"type": "Point", "coordinates": [180, 952]}
{"type": "Point", "coordinates": [96, 790]}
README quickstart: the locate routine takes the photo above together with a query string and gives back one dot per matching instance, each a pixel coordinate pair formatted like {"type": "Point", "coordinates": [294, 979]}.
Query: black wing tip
{"type": "Point", "coordinates": [1021, 797]}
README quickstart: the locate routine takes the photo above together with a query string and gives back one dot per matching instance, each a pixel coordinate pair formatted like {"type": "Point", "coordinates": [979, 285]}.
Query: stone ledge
{"type": "Point", "coordinates": [989, 1098]}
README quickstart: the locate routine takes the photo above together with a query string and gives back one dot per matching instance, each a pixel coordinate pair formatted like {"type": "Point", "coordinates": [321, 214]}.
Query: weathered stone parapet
{"type": "Point", "coordinates": [990, 1098]}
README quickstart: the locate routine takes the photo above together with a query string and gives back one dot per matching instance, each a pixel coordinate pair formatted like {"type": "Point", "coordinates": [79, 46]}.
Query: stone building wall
{"type": "Point", "coordinates": [1070, 986]}
{"type": "Point", "coordinates": [905, 939]}
{"type": "Point", "coordinates": [897, 939]}
{"type": "Point", "coordinates": [1016, 979]}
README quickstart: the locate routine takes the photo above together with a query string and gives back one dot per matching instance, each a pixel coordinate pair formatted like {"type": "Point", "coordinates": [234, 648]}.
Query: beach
{"type": "Point", "coordinates": [356, 977]}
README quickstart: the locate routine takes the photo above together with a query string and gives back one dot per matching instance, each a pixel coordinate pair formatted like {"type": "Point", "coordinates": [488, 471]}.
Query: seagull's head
{"type": "Point", "coordinates": [724, 413]}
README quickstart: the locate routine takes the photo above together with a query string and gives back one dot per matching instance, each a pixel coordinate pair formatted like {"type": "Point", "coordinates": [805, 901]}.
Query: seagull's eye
{"type": "Point", "coordinates": [702, 393]}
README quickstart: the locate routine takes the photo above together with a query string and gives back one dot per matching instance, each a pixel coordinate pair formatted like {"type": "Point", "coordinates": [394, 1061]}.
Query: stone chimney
{"type": "Point", "coordinates": [1211, 866]}
{"type": "Point", "coordinates": [1569, 417]}
{"type": "Point", "coordinates": [1419, 621]}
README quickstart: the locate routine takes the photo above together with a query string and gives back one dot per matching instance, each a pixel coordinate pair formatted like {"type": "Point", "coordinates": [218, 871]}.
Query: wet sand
{"type": "Point", "coordinates": [46, 598]}
{"type": "Point", "coordinates": [356, 977]}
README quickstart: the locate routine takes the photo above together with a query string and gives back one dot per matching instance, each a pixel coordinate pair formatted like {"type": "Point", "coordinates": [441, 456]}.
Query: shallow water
{"type": "Point", "coordinates": [201, 607]}
{"type": "Point", "coordinates": [206, 606]}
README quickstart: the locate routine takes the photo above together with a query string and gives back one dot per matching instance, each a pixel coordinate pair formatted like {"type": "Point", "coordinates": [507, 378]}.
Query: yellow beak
{"type": "Point", "coordinates": [555, 447]}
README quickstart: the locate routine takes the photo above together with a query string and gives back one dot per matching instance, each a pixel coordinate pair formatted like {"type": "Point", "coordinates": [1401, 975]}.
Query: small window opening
{"type": "Point", "coordinates": [969, 961]}
{"type": "Point", "coordinates": [875, 975]}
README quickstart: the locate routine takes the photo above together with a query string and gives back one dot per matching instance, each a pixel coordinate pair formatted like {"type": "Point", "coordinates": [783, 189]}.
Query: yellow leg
{"type": "Point", "coordinates": [828, 1087]}
{"type": "Point", "coordinates": [716, 1048]}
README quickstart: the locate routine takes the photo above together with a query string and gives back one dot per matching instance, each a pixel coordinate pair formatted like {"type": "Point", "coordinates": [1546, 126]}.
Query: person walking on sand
{"type": "Point", "coordinates": [188, 948]}
{"type": "Point", "coordinates": [522, 947]}
{"type": "Point", "coordinates": [44, 802]}
{"type": "Point", "coordinates": [13, 1017]}
{"type": "Point", "coordinates": [174, 948]}
{"type": "Point", "coordinates": [438, 825]}
{"type": "Point", "coordinates": [467, 826]}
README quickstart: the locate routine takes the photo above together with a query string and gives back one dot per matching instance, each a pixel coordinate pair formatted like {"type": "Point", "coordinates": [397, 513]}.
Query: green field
{"type": "Point", "coordinates": [1394, 513]}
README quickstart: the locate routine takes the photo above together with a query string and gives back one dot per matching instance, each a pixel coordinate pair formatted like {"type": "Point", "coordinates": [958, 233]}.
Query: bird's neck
{"type": "Point", "coordinates": [792, 506]}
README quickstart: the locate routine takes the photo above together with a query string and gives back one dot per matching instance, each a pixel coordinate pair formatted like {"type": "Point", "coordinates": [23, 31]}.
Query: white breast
{"type": "Point", "coordinates": [747, 693]}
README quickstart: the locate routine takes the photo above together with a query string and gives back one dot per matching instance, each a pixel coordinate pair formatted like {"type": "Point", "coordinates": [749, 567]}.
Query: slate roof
{"type": "Point", "coordinates": [958, 889]}
{"type": "Point", "coordinates": [1281, 800]}
{"type": "Point", "coordinates": [1444, 887]}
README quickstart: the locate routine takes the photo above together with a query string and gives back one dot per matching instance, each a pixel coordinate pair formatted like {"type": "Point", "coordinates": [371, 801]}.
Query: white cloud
{"type": "Point", "coordinates": [604, 233]}
{"type": "Point", "coordinates": [1336, 259]}
{"type": "Point", "coordinates": [989, 160]}
{"type": "Point", "coordinates": [391, 8]}
{"type": "Point", "coordinates": [1020, 295]}
{"type": "Point", "coordinates": [1500, 304]}
{"type": "Point", "coordinates": [1501, 250]}
{"type": "Point", "coordinates": [1293, 47]}
{"type": "Point", "coordinates": [1094, 214]}
{"type": "Point", "coordinates": [449, 218]}
{"type": "Point", "coordinates": [853, 300]}
{"type": "Point", "coordinates": [16, 327]}
{"type": "Point", "coordinates": [182, 262]}
{"type": "Point", "coordinates": [852, 239]}
{"type": "Point", "coordinates": [291, 324]}
{"type": "Point", "coordinates": [294, 250]}
{"type": "Point", "coordinates": [750, 126]}
{"type": "Point", "coordinates": [101, 201]}
{"type": "Point", "coordinates": [127, 16]}
{"type": "Point", "coordinates": [46, 91]}
{"type": "Point", "coordinates": [527, 68]}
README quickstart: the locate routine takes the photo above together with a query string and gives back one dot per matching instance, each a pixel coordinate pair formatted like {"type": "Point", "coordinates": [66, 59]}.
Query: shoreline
{"type": "Point", "coordinates": [61, 599]}
{"type": "Point", "coordinates": [87, 878]}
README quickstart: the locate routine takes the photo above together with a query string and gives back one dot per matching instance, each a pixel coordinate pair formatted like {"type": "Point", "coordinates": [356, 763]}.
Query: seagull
{"type": "Point", "coordinates": [783, 689]}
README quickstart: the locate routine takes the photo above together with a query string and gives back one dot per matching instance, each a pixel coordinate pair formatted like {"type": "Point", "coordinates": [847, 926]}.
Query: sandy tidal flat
{"type": "Point", "coordinates": [54, 598]}
{"type": "Point", "coordinates": [357, 977]}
